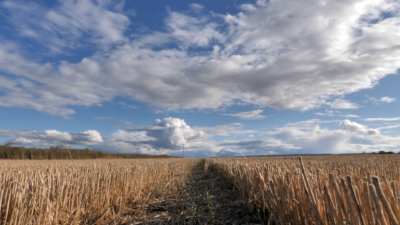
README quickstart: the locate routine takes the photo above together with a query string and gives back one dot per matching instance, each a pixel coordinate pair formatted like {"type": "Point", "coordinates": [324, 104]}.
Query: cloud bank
{"type": "Point", "coordinates": [169, 135]}
{"type": "Point", "coordinates": [52, 137]}
{"type": "Point", "coordinates": [282, 54]}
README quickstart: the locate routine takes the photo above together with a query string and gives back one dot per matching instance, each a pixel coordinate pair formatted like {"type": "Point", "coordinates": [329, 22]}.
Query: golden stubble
{"type": "Point", "coordinates": [83, 192]}
{"type": "Point", "coordinates": [340, 189]}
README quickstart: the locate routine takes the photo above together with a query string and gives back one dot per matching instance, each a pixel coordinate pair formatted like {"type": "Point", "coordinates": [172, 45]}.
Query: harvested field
{"type": "Point", "coordinates": [201, 200]}
{"type": "Point", "coordinates": [84, 191]}
{"type": "Point", "coordinates": [357, 189]}
{"type": "Point", "coordinates": [347, 189]}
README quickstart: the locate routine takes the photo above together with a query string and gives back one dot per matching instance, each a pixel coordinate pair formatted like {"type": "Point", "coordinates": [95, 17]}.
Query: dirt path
{"type": "Point", "coordinates": [202, 200]}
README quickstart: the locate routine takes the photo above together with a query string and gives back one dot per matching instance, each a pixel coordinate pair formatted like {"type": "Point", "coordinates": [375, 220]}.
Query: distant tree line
{"type": "Point", "coordinates": [8, 151]}
{"type": "Point", "coordinates": [383, 152]}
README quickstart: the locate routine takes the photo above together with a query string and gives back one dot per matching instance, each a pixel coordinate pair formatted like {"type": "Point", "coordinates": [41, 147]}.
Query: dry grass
{"type": "Point", "coordinates": [87, 192]}
{"type": "Point", "coordinates": [360, 189]}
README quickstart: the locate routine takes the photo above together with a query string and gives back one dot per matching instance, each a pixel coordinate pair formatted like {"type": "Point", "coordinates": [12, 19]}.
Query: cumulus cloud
{"type": "Point", "coordinates": [302, 137]}
{"type": "Point", "coordinates": [267, 55]}
{"type": "Point", "coordinates": [356, 127]}
{"type": "Point", "coordinates": [53, 137]}
{"type": "Point", "coordinates": [168, 135]}
{"type": "Point", "coordinates": [353, 137]}
{"type": "Point", "coordinates": [173, 133]}
{"type": "Point", "coordinates": [252, 115]}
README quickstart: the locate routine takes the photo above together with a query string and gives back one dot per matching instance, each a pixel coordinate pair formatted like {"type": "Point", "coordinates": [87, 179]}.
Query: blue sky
{"type": "Point", "coordinates": [223, 78]}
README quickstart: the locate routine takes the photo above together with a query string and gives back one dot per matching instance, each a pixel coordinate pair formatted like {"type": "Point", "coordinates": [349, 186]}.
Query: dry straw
{"type": "Point", "coordinates": [86, 192]}
{"type": "Point", "coordinates": [361, 189]}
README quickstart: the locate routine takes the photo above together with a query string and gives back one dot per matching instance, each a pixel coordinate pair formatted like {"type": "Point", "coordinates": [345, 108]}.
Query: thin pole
{"type": "Point", "coordinates": [183, 151]}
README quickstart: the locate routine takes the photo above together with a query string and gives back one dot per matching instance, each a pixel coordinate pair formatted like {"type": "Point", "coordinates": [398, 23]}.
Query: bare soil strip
{"type": "Point", "coordinates": [200, 200]}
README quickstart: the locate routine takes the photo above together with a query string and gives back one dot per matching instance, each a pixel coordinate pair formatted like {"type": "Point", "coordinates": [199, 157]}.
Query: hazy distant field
{"type": "Point", "coordinates": [356, 189]}
{"type": "Point", "coordinates": [82, 191]}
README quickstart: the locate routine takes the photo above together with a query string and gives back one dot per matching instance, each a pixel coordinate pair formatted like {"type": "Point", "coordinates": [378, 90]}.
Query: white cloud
{"type": "Point", "coordinates": [252, 115]}
{"type": "Point", "coordinates": [173, 133]}
{"type": "Point", "coordinates": [342, 104]}
{"type": "Point", "coordinates": [382, 119]}
{"type": "Point", "coordinates": [39, 88]}
{"type": "Point", "coordinates": [248, 7]}
{"type": "Point", "coordinates": [356, 127]}
{"type": "Point", "coordinates": [191, 31]}
{"type": "Point", "coordinates": [267, 56]}
{"type": "Point", "coordinates": [349, 115]}
{"type": "Point", "coordinates": [387, 99]}
{"type": "Point", "coordinates": [383, 99]}
{"type": "Point", "coordinates": [129, 136]}
{"type": "Point", "coordinates": [88, 137]}
{"type": "Point", "coordinates": [324, 114]}
{"type": "Point", "coordinates": [53, 137]}
{"type": "Point", "coordinates": [327, 113]}
{"type": "Point", "coordinates": [196, 7]}
{"type": "Point", "coordinates": [227, 130]}
{"type": "Point", "coordinates": [353, 138]}
{"type": "Point", "coordinates": [388, 127]}
{"type": "Point", "coordinates": [69, 22]}
{"type": "Point", "coordinates": [168, 135]}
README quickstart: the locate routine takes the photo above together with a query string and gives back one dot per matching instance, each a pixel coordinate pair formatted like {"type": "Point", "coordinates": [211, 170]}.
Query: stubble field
{"type": "Point", "coordinates": [346, 189]}
{"type": "Point", "coordinates": [83, 191]}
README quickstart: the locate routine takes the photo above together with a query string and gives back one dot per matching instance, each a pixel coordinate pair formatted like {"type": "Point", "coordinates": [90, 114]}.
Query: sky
{"type": "Point", "coordinates": [221, 78]}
